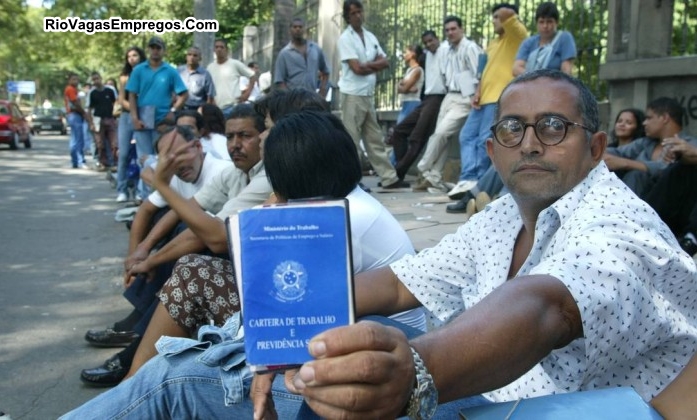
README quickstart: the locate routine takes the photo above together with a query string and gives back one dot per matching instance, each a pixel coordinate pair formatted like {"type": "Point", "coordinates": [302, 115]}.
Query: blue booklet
{"type": "Point", "coordinates": [295, 277]}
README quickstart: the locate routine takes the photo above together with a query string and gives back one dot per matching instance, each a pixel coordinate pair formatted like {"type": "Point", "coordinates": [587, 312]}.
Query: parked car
{"type": "Point", "coordinates": [14, 128]}
{"type": "Point", "coordinates": [48, 119]}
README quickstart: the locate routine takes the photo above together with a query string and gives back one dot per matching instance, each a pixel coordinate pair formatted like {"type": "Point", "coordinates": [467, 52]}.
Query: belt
{"type": "Point", "coordinates": [453, 91]}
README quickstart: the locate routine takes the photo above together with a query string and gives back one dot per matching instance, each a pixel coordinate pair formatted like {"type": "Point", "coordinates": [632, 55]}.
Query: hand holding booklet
{"type": "Point", "coordinates": [295, 276]}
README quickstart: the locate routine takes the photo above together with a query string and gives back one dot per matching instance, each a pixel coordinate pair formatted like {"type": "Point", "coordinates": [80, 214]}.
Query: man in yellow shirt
{"type": "Point", "coordinates": [497, 73]}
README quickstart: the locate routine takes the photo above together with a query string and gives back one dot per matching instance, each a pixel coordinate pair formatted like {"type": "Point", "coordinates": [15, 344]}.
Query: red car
{"type": "Point", "coordinates": [14, 128]}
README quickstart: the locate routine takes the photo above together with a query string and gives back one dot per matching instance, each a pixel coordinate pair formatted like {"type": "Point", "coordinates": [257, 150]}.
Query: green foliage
{"type": "Point", "coordinates": [47, 57]}
{"type": "Point", "coordinates": [685, 28]}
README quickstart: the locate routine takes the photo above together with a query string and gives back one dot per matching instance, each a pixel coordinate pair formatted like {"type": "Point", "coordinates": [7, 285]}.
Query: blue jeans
{"type": "Point", "coordinates": [145, 141]}
{"type": "Point", "coordinates": [227, 111]}
{"type": "Point", "coordinates": [473, 158]}
{"type": "Point", "coordinates": [180, 386]}
{"type": "Point", "coordinates": [407, 107]}
{"type": "Point", "coordinates": [77, 139]}
{"type": "Point", "coordinates": [125, 135]}
{"type": "Point", "coordinates": [490, 183]}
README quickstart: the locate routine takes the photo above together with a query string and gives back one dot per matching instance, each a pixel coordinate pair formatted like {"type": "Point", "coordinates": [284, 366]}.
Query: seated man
{"type": "Point", "coordinates": [674, 197]}
{"type": "Point", "coordinates": [640, 162]}
{"type": "Point", "coordinates": [154, 223]}
{"type": "Point", "coordinates": [332, 169]}
{"type": "Point", "coordinates": [594, 292]}
{"type": "Point", "coordinates": [190, 300]}
{"type": "Point", "coordinates": [237, 187]}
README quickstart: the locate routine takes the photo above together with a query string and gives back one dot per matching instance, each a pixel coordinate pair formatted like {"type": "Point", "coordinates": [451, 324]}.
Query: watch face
{"type": "Point", "coordinates": [428, 400]}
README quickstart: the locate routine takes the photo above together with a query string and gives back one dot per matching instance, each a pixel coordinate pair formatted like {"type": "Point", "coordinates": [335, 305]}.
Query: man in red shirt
{"type": "Point", "coordinates": [76, 118]}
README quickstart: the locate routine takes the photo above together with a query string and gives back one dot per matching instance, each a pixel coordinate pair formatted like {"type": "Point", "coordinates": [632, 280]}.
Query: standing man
{"type": "Point", "coordinates": [151, 87]}
{"type": "Point", "coordinates": [76, 119]}
{"type": "Point", "coordinates": [226, 73]}
{"type": "Point", "coordinates": [459, 67]}
{"type": "Point", "coordinates": [361, 58]}
{"type": "Point", "coordinates": [500, 53]}
{"type": "Point", "coordinates": [409, 136]}
{"type": "Point", "coordinates": [100, 115]}
{"type": "Point", "coordinates": [301, 63]}
{"type": "Point", "coordinates": [197, 80]}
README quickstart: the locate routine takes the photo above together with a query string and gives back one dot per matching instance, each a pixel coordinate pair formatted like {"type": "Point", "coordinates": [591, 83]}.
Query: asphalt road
{"type": "Point", "coordinates": [60, 265]}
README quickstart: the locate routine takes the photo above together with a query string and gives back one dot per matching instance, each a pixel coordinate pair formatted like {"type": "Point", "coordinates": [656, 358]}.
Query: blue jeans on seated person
{"type": "Point", "coordinates": [188, 383]}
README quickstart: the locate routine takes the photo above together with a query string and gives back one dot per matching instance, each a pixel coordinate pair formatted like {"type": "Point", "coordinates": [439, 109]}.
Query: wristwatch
{"type": "Point", "coordinates": [424, 398]}
{"type": "Point", "coordinates": [173, 110]}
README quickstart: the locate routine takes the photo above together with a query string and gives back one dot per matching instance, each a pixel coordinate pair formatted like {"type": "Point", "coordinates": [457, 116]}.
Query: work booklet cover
{"type": "Point", "coordinates": [295, 277]}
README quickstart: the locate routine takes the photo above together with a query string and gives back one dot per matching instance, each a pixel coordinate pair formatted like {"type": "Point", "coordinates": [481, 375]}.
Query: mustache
{"type": "Point", "coordinates": [547, 166]}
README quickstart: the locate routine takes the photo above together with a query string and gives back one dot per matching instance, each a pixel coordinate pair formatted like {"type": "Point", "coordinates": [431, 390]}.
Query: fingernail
{"type": "Point", "coordinates": [318, 348]}
{"type": "Point", "coordinates": [305, 375]}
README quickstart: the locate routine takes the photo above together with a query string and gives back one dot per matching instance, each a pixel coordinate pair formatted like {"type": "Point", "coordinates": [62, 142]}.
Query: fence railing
{"type": "Point", "coordinates": [398, 23]}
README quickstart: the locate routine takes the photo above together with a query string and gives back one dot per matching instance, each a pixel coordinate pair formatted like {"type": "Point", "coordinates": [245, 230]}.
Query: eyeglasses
{"type": "Point", "coordinates": [550, 130]}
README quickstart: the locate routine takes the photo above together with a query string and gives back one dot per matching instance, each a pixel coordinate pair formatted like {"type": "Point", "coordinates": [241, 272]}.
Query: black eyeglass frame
{"type": "Point", "coordinates": [525, 125]}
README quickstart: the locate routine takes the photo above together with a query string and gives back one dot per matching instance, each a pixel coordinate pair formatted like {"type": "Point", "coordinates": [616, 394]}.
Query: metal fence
{"type": "Point", "coordinates": [398, 23]}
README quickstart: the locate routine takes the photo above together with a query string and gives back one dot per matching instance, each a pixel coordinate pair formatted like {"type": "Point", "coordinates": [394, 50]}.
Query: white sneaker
{"type": "Point", "coordinates": [121, 198]}
{"type": "Point", "coordinates": [463, 186]}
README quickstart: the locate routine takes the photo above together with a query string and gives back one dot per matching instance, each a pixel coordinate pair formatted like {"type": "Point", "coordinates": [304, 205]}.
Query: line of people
{"type": "Point", "coordinates": [594, 279]}
{"type": "Point", "coordinates": [583, 250]}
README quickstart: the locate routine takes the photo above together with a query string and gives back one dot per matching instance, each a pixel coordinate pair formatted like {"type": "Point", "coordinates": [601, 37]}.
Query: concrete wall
{"type": "Point", "coordinates": [638, 67]}
{"type": "Point", "coordinates": [634, 83]}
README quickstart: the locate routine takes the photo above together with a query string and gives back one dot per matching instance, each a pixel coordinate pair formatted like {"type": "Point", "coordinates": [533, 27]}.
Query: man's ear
{"type": "Point", "coordinates": [490, 148]}
{"type": "Point", "coordinates": [598, 144]}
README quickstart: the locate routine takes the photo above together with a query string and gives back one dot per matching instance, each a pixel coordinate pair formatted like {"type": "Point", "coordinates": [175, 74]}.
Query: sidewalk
{"type": "Point", "coordinates": [421, 214]}
{"type": "Point", "coordinates": [61, 268]}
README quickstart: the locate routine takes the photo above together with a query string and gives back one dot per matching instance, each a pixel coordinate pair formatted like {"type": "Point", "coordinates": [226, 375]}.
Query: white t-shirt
{"type": "Point", "coordinates": [633, 285]}
{"type": "Point", "coordinates": [210, 168]}
{"type": "Point", "coordinates": [377, 240]}
{"type": "Point", "coordinates": [216, 144]}
{"type": "Point", "coordinates": [226, 78]}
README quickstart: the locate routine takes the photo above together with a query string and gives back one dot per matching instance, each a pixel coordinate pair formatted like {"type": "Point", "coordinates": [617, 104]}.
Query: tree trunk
{"type": "Point", "coordinates": [204, 9]}
{"type": "Point", "coordinates": [283, 16]}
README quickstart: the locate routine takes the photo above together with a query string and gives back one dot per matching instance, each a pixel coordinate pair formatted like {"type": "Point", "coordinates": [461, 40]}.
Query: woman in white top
{"type": "Point", "coordinates": [409, 87]}
{"type": "Point", "coordinates": [213, 137]}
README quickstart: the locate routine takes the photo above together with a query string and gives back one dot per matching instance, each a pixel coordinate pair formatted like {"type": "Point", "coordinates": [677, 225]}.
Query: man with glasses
{"type": "Point", "coordinates": [197, 80]}
{"type": "Point", "coordinates": [151, 87]}
{"type": "Point", "coordinates": [568, 283]}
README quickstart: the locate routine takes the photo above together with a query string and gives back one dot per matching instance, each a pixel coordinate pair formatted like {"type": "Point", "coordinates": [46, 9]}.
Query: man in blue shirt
{"type": "Point", "coordinates": [197, 80]}
{"type": "Point", "coordinates": [150, 89]}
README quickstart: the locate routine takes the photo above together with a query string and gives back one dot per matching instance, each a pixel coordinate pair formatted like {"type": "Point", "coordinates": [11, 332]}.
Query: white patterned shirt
{"type": "Point", "coordinates": [635, 288]}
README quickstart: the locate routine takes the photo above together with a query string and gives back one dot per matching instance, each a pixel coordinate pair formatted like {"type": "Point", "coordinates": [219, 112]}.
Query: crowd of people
{"type": "Point", "coordinates": [589, 264]}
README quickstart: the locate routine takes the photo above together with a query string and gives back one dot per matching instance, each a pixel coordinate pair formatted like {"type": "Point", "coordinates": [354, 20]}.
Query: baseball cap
{"type": "Point", "coordinates": [156, 40]}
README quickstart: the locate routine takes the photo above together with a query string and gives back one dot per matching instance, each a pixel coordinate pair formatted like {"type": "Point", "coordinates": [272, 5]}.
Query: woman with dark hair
{"type": "Point", "coordinates": [409, 87]}
{"type": "Point", "coordinates": [134, 56]}
{"type": "Point", "coordinates": [213, 137]}
{"type": "Point", "coordinates": [628, 126]}
{"type": "Point", "coordinates": [298, 165]}
{"type": "Point", "coordinates": [308, 154]}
